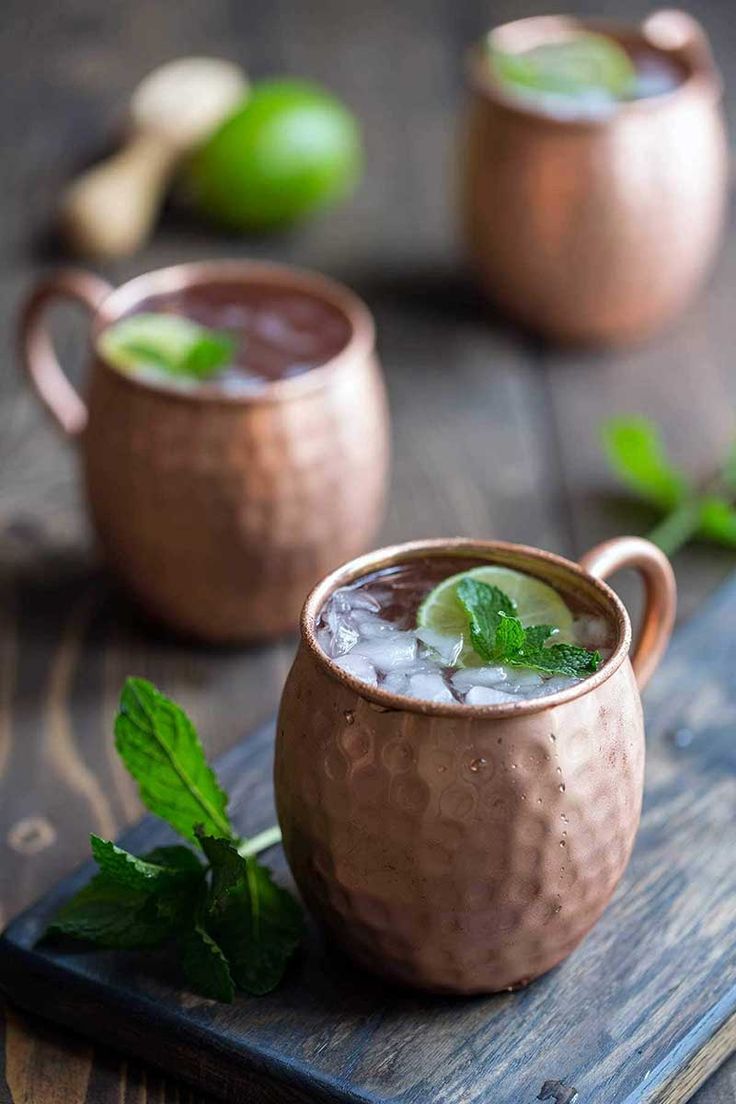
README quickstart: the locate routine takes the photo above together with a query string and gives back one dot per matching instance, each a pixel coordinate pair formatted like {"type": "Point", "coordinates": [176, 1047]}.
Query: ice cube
{"type": "Point", "coordinates": [349, 598]}
{"type": "Point", "coordinates": [429, 687]}
{"type": "Point", "coordinates": [523, 682]}
{"type": "Point", "coordinates": [591, 632]}
{"type": "Point", "coordinates": [396, 683]}
{"type": "Point", "coordinates": [344, 639]}
{"type": "Point", "coordinates": [479, 676]}
{"type": "Point", "coordinates": [359, 667]}
{"type": "Point", "coordinates": [371, 626]}
{"type": "Point", "coordinates": [487, 695]}
{"type": "Point", "coordinates": [389, 652]}
{"type": "Point", "coordinates": [557, 683]}
{"type": "Point", "coordinates": [343, 633]}
{"type": "Point", "coordinates": [448, 647]}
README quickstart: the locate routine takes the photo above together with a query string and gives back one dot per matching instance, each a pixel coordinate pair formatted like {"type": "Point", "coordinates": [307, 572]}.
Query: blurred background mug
{"type": "Point", "coordinates": [220, 510]}
{"type": "Point", "coordinates": [596, 227]}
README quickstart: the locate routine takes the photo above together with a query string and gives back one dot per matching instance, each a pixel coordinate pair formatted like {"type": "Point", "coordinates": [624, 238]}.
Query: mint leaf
{"type": "Point", "coordinates": [211, 352]}
{"type": "Point", "coordinates": [170, 342]}
{"type": "Point", "coordinates": [259, 929]}
{"type": "Point", "coordinates": [510, 636]}
{"type": "Point", "coordinates": [256, 923]}
{"type": "Point", "coordinates": [205, 967]}
{"type": "Point", "coordinates": [228, 868]}
{"type": "Point", "coordinates": [161, 749]}
{"type": "Point", "coordinates": [556, 659]}
{"type": "Point", "coordinates": [498, 636]}
{"type": "Point", "coordinates": [230, 909]}
{"type": "Point", "coordinates": [717, 520]}
{"type": "Point", "coordinates": [142, 874]}
{"type": "Point", "coordinates": [636, 453]}
{"type": "Point", "coordinates": [176, 858]}
{"type": "Point", "coordinates": [538, 635]}
{"type": "Point", "coordinates": [485, 606]}
{"type": "Point", "coordinates": [112, 915]}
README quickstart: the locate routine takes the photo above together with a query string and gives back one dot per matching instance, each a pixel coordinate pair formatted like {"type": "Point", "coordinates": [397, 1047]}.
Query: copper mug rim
{"type": "Point", "coordinates": [493, 551]}
{"type": "Point", "coordinates": [701, 74]}
{"type": "Point", "coordinates": [117, 301]}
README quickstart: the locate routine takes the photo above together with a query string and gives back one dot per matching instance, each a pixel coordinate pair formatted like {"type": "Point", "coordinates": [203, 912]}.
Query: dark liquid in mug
{"type": "Point", "coordinates": [278, 333]}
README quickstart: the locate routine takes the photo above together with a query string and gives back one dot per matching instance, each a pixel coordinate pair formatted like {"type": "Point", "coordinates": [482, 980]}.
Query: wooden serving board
{"type": "Point", "coordinates": [642, 1012]}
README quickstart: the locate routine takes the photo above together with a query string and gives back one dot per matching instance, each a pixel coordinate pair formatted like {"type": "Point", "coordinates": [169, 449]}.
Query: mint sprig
{"type": "Point", "coordinates": [160, 747]}
{"type": "Point", "coordinates": [233, 925]}
{"type": "Point", "coordinates": [498, 636]}
{"type": "Point", "coordinates": [636, 453]}
{"type": "Point", "coordinates": [169, 342]}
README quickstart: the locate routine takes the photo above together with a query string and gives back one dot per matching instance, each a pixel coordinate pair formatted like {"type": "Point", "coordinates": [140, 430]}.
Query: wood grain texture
{"type": "Point", "coordinates": [641, 1013]}
{"type": "Point", "coordinates": [494, 435]}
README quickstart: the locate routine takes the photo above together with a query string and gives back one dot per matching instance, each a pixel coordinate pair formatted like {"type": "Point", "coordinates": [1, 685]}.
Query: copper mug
{"type": "Point", "coordinates": [220, 511]}
{"type": "Point", "coordinates": [469, 849]}
{"type": "Point", "coordinates": [596, 230]}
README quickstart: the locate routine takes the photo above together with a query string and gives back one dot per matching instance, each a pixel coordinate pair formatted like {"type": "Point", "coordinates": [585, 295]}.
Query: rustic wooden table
{"type": "Point", "coordinates": [494, 434]}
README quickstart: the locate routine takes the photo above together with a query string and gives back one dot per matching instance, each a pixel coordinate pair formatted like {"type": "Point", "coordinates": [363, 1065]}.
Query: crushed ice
{"type": "Point", "coordinates": [421, 663]}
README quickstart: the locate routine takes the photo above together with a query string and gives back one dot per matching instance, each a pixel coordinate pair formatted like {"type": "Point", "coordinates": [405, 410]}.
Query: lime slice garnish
{"type": "Point", "coordinates": [571, 66]}
{"type": "Point", "coordinates": [536, 604]}
{"type": "Point", "coordinates": [168, 342]}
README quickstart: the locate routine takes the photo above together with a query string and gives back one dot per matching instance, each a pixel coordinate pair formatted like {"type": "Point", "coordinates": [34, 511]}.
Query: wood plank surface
{"type": "Point", "coordinates": [494, 435]}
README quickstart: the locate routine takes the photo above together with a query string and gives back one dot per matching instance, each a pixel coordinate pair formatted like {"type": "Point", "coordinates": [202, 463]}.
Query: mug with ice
{"type": "Point", "coordinates": [460, 754]}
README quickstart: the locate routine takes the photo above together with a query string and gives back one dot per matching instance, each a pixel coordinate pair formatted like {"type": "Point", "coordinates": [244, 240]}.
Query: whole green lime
{"type": "Point", "coordinates": [289, 149]}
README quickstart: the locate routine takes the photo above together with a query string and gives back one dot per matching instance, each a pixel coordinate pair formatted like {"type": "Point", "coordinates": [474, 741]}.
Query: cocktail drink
{"type": "Point", "coordinates": [255, 335]}
{"type": "Point", "coordinates": [581, 74]}
{"type": "Point", "coordinates": [462, 631]}
{"type": "Point", "coordinates": [460, 752]}
{"type": "Point", "coordinates": [233, 435]}
{"type": "Point", "coordinates": [569, 224]}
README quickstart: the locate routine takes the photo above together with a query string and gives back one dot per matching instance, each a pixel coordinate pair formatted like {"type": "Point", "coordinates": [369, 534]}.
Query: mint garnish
{"type": "Point", "coordinates": [636, 453]}
{"type": "Point", "coordinates": [256, 923]}
{"type": "Point", "coordinates": [169, 342]}
{"type": "Point", "coordinates": [498, 636]}
{"type": "Point", "coordinates": [233, 925]}
{"type": "Point", "coordinates": [161, 749]}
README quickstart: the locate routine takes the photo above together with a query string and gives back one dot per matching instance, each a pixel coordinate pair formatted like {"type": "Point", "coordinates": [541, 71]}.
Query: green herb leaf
{"type": "Point", "coordinates": [205, 967]}
{"type": "Point", "coordinates": [228, 869]}
{"type": "Point", "coordinates": [161, 749]}
{"type": "Point", "coordinates": [636, 453]}
{"type": "Point", "coordinates": [557, 659]}
{"type": "Point", "coordinates": [113, 915]}
{"type": "Point", "coordinates": [142, 874]}
{"type": "Point", "coordinates": [257, 924]}
{"type": "Point", "coordinates": [170, 342]}
{"type": "Point", "coordinates": [717, 521]}
{"type": "Point", "coordinates": [485, 606]}
{"type": "Point", "coordinates": [230, 909]}
{"type": "Point", "coordinates": [510, 636]}
{"type": "Point", "coordinates": [176, 858]}
{"type": "Point", "coordinates": [499, 637]}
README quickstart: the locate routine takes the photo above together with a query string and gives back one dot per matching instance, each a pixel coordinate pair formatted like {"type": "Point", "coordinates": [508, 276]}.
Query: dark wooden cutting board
{"type": "Point", "coordinates": [642, 1012]}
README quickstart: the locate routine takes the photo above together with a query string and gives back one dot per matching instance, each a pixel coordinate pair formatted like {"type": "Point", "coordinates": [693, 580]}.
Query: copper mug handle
{"type": "Point", "coordinates": [660, 594]}
{"type": "Point", "coordinates": [37, 354]}
{"type": "Point", "coordinates": [672, 29]}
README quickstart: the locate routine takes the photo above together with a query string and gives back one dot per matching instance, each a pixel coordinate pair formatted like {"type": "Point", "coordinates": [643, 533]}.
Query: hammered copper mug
{"type": "Point", "coordinates": [469, 849]}
{"type": "Point", "coordinates": [596, 229]}
{"type": "Point", "coordinates": [220, 511]}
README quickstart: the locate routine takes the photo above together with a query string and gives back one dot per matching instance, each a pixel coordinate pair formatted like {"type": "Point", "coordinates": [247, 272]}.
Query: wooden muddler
{"type": "Point", "coordinates": [110, 209]}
